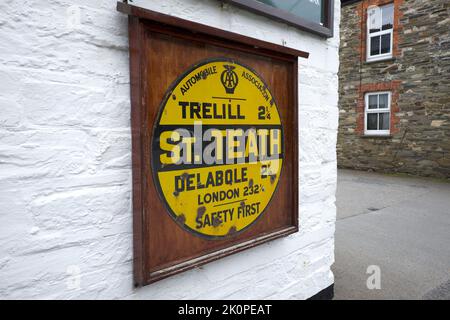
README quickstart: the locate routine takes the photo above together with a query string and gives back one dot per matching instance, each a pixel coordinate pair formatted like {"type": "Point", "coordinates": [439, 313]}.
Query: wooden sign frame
{"type": "Point", "coordinates": [147, 242]}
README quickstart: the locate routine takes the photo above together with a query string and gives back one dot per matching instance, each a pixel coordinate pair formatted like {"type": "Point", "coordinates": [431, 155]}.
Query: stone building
{"type": "Point", "coordinates": [394, 84]}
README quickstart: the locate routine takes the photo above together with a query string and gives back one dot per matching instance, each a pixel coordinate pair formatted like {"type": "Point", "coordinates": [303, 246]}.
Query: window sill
{"type": "Point", "coordinates": [380, 136]}
{"type": "Point", "coordinates": [380, 60]}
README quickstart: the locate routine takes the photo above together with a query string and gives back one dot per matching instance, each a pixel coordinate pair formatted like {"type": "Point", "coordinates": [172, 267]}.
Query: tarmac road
{"type": "Point", "coordinates": [399, 224]}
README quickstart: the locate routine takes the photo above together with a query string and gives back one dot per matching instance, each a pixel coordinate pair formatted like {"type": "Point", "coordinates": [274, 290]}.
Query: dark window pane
{"type": "Point", "coordinates": [387, 16]}
{"type": "Point", "coordinates": [374, 45]}
{"type": "Point", "coordinates": [285, 5]}
{"type": "Point", "coordinates": [386, 43]}
{"type": "Point", "coordinates": [372, 119]}
{"type": "Point", "coordinates": [383, 104]}
{"type": "Point", "coordinates": [384, 121]}
{"type": "Point", "coordinates": [373, 102]}
{"type": "Point", "coordinates": [307, 9]}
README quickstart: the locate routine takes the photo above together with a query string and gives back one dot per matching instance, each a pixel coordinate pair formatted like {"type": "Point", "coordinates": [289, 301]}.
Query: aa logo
{"type": "Point", "coordinates": [229, 79]}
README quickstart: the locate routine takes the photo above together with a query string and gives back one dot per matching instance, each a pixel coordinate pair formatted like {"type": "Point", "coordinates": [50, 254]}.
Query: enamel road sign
{"type": "Point", "coordinates": [217, 148]}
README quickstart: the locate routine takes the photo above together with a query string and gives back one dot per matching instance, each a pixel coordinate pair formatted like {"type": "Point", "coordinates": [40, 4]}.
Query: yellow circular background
{"type": "Point", "coordinates": [218, 81]}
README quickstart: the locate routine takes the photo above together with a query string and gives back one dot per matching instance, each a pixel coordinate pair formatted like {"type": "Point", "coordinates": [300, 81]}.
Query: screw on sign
{"type": "Point", "coordinates": [217, 148]}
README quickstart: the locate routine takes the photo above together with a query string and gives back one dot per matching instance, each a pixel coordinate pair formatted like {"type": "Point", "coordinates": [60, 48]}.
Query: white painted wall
{"type": "Point", "coordinates": [65, 160]}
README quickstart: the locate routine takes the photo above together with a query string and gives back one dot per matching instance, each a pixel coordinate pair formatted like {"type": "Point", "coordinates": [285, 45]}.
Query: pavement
{"type": "Point", "coordinates": [399, 226]}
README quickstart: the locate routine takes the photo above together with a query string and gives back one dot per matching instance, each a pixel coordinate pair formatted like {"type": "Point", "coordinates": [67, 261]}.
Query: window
{"type": "Point", "coordinates": [312, 10]}
{"type": "Point", "coordinates": [377, 113]}
{"type": "Point", "coordinates": [315, 16]}
{"type": "Point", "coordinates": [380, 26]}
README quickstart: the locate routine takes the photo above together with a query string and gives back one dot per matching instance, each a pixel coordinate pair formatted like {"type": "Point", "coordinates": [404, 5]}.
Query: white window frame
{"type": "Point", "coordinates": [384, 110]}
{"type": "Point", "coordinates": [381, 56]}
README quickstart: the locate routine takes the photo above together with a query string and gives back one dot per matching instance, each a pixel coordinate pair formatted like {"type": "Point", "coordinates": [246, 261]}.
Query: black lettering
{"type": "Point", "coordinates": [195, 109]}
{"type": "Point", "coordinates": [215, 114]}
{"type": "Point", "coordinates": [190, 182]}
{"type": "Point", "coordinates": [230, 112]}
{"type": "Point", "coordinates": [239, 115]}
{"type": "Point", "coordinates": [179, 184]}
{"type": "Point", "coordinates": [206, 109]}
{"type": "Point", "coordinates": [199, 224]}
{"type": "Point", "coordinates": [183, 105]}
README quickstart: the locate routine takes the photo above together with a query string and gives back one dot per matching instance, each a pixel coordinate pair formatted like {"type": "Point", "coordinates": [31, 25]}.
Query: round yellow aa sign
{"type": "Point", "coordinates": [217, 148]}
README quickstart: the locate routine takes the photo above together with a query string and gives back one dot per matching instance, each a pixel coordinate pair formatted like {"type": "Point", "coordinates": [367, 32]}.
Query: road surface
{"type": "Point", "coordinates": [399, 226]}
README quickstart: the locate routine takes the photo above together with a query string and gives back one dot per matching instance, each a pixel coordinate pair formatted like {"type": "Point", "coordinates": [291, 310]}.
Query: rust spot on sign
{"type": "Point", "coordinates": [200, 211]}
{"type": "Point", "coordinates": [181, 218]}
{"type": "Point", "coordinates": [273, 178]}
{"type": "Point", "coordinates": [232, 230]}
{"type": "Point", "coordinates": [216, 222]}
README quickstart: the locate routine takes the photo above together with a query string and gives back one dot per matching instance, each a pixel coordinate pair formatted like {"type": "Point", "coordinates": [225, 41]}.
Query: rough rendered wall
{"type": "Point", "coordinates": [65, 160]}
{"type": "Point", "coordinates": [419, 73]}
